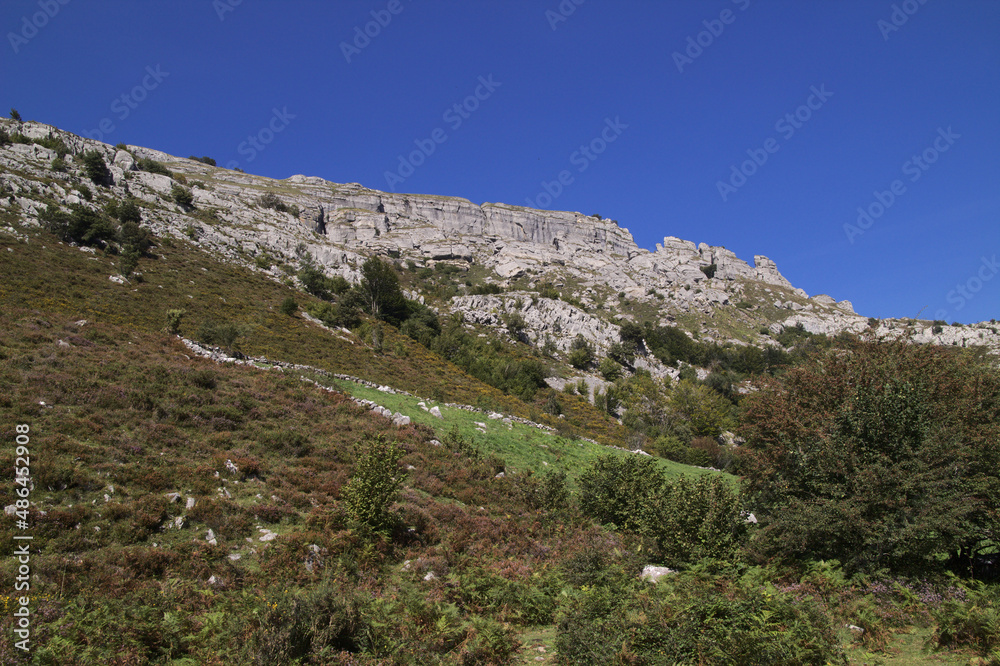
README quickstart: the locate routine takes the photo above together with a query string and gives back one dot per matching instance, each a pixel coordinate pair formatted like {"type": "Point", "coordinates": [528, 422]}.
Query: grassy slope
{"type": "Point", "coordinates": [524, 448]}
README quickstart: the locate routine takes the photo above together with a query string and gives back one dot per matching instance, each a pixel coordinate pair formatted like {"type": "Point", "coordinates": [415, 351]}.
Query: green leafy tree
{"type": "Point", "coordinates": [97, 170]}
{"type": "Point", "coordinates": [14, 115]}
{"type": "Point", "coordinates": [610, 369]}
{"type": "Point", "coordinates": [581, 353]}
{"type": "Point", "coordinates": [383, 297]}
{"type": "Point", "coordinates": [182, 196]}
{"type": "Point", "coordinates": [882, 456]}
{"type": "Point", "coordinates": [374, 484]}
{"type": "Point", "coordinates": [288, 306]}
{"type": "Point", "coordinates": [621, 490]}
{"type": "Point", "coordinates": [693, 519]}
{"type": "Point", "coordinates": [127, 211]}
{"type": "Point", "coordinates": [706, 412]}
{"type": "Point", "coordinates": [174, 318]}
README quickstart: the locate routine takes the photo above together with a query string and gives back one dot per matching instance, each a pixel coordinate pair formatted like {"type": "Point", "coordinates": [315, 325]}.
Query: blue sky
{"type": "Point", "coordinates": [760, 125]}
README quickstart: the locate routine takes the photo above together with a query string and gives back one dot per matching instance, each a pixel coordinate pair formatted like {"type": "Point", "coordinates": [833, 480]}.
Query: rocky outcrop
{"type": "Point", "coordinates": [340, 225]}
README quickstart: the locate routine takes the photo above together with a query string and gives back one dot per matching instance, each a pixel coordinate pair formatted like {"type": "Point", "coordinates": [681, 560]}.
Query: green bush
{"type": "Point", "coordinates": [694, 519]}
{"type": "Point", "coordinates": [174, 318]}
{"type": "Point", "coordinates": [620, 489]}
{"type": "Point", "coordinates": [515, 324]}
{"type": "Point", "coordinates": [374, 484]}
{"type": "Point", "coordinates": [706, 412]}
{"type": "Point", "coordinates": [54, 143]}
{"type": "Point", "coordinates": [695, 619]}
{"type": "Point", "coordinates": [223, 334]}
{"type": "Point", "coordinates": [81, 225]}
{"type": "Point", "coordinates": [544, 492]}
{"type": "Point", "coordinates": [581, 353]}
{"type": "Point", "coordinates": [152, 166]}
{"type": "Point", "coordinates": [182, 196]}
{"type": "Point", "coordinates": [288, 306]}
{"type": "Point", "coordinates": [609, 369]}
{"type": "Point", "coordinates": [709, 270]}
{"type": "Point", "coordinates": [271, 200]}
{"type": "Point", "coordinates": [486, 289]}
{"type": "Point", "coordinates": [96, 169]}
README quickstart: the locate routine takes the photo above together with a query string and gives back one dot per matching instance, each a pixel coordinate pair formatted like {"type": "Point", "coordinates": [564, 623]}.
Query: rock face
{"type": "Point", "coordinates": [594, 262]}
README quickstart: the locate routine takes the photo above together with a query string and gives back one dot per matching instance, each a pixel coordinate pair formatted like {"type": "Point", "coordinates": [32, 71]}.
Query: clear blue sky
{"type": "Point", "coordinates": [200, 77]}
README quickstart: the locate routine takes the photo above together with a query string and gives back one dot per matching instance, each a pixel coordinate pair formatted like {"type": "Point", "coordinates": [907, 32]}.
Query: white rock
{"type": "Point", "coordinates": [436, 412]}
{"type": "Point", "coordinates": [654, 573]}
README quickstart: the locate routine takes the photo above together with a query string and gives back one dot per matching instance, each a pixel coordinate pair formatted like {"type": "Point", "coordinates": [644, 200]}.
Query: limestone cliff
{"type": "Point", "coordinates": [594, 262]}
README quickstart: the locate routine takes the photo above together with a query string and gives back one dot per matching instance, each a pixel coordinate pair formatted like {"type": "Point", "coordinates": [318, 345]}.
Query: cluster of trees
{"type": "Point", "coordinates": [379, 294]}
{"type": "Point", "coordinates": [117, 229]}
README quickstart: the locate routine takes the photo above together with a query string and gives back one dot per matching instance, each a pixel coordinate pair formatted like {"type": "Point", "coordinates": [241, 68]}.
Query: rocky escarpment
{"type": "Point", "coordinates": [595, 262]}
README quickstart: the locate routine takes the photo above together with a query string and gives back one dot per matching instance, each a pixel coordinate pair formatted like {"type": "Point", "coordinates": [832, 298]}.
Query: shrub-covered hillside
{"type": "Point", "coordinates": [185, 510]}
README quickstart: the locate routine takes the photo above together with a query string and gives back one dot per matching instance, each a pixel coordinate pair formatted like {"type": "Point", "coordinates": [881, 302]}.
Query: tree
{"type": "Point", "coordinates": [581, 354]}
{"type": "Point", "coordinates": [288, 306]}
{"type": "Point", "coordinates": [128, 212]}
{"type": "Point", "coordinates": [706, 412]}
{"type": "Point", "coordinates": [182, 196]}
{"type": "Point", "coordinates": [97, 170]}
{"type": "Point", "coordinates": [515, 324]}
{"type": "Point", "coordinates": [374, 485]}
{"type": "Point", "coordinates": [609, 369]}
{"type": "Point", "coordinates": [15, 115]}
{"type": "Point", "coordinates": [383, 297]}
{"type": "Point", "coordinates": [882, 455]}
{"type": "Point", "coordinates": [620, 489]}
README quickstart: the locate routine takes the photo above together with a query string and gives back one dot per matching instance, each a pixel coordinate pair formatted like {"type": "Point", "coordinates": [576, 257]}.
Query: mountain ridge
{"type": "Point", "coordinates": [594, 262]}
